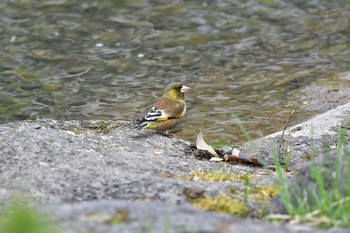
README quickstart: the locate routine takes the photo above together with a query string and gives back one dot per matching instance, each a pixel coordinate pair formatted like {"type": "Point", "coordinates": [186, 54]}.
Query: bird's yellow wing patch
{"type": "Point", "coordinates": [153, 126]}
{"type": "Point", "coordinates": [162, 119]}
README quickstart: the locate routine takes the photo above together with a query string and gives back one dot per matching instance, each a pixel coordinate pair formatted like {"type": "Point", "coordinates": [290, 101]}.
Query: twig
{"type": "Point", "coordinates": [337, 203]}
{"type": "Point", "coordinates": [279, 217]}
{"type": "Point", "coordinates": [286, 125]}
{"type": "Point", "coordinates": [310, 217]}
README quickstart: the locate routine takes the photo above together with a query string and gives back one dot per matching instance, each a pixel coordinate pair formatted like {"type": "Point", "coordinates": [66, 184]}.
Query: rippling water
{"type": "Point", "coordinates": [67, 59]}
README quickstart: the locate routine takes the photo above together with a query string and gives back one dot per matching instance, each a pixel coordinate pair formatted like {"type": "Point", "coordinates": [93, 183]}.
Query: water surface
{"type": "Point", "coordinates": [71, 59]}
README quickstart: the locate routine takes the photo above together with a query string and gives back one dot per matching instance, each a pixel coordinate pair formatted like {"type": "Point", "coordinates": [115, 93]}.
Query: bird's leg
{"type": "Point", "coordinates": [166, 134]}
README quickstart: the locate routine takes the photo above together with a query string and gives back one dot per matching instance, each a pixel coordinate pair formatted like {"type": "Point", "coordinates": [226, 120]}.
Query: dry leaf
{"type": "Point", "coordinates": [202, 145]}
{"type": "Point", "coordinates": [216, 159]}
{"type": "Point", "coordinates": [238, 157]}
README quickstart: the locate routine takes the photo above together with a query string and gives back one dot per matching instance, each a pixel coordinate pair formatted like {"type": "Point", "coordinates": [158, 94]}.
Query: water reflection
{"type": "Point", "coordinates": [111, 59]}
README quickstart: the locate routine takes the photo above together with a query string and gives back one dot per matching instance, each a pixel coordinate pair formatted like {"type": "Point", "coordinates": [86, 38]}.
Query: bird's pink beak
{"type": "Point", "coordinates": [184, 89]}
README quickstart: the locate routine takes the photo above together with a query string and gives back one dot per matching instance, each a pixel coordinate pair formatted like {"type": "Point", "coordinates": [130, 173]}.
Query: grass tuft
{"type": "Point", "coordinates": [22, 218]}
{"type": "Point", "coordinates": [326, 201]}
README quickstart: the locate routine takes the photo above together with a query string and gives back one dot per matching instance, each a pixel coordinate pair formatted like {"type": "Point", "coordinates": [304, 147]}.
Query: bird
{"type": "Point", "coordinates": [167, 111]}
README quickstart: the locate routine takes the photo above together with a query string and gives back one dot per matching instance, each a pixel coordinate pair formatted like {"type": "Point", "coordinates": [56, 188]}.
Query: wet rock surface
{"type": "Point", "coordinates": [323, 98]}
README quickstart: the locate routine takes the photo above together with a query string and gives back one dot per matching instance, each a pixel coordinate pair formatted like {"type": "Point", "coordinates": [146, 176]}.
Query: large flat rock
{"type": "Point", "coordinates": [83, 172]}
{"type": "Point", "coordinates": [55, 161]}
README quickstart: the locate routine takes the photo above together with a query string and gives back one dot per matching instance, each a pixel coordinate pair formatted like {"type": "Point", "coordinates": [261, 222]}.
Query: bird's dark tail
{"type": "Point", "coordinates": [140, 123]}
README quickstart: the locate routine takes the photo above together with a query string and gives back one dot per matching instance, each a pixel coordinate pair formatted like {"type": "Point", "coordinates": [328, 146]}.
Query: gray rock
{"type": "Point", "coordinates": [55, 161]}
{"type": "Point", "coordinates": [304, 141]}
{"type": "Point", "coordinates": [98, 216]}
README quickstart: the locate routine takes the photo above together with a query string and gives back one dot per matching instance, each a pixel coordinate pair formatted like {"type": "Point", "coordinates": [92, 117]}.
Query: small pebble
{"type": "Point", "coordinates": [226, 150]}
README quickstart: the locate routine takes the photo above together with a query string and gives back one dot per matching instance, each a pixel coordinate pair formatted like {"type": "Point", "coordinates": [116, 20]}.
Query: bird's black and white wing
{"type": "Point", "coordinates": [153, 115]}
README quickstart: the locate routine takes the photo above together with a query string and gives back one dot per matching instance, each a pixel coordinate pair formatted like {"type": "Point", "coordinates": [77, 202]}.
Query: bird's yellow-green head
{"type": "Point", "coordinates": [175, 90]}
